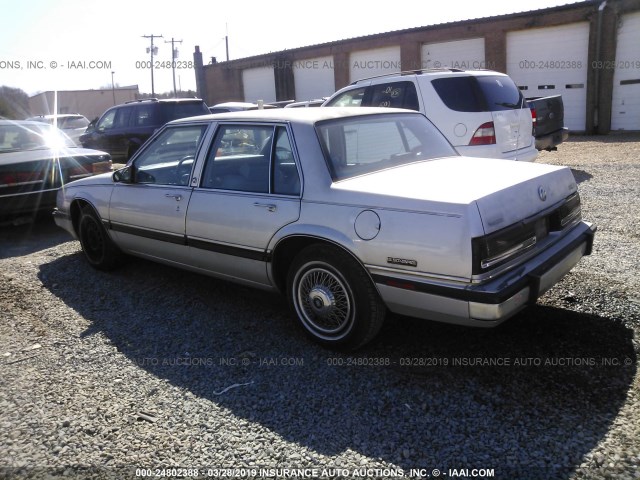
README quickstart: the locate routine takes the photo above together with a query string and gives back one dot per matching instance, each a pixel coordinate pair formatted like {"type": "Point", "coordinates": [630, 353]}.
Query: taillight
{"type": "Point", "coordinates": [76, 172]}
{"type": "Point", "coordinates": [534, 120]}
{"type": "Point", "coordinates": [501, 247]}
{"type": "Point", "coordinates": [568, 214]}
{"type": "Point", "coordinates": [102, 167]}
{"type": "Point", "coordinates": [14, 179]}
{"type": "Point", "coordinates": [484, 135]}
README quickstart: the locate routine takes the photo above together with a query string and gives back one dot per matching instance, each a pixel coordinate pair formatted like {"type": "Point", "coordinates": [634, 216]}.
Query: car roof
{"type": "Point", "coordinates": [299, 115]}
{"type": "Point", "coordinates": [53, 115]}
{"type": "Point", "coordinates": [433, 72]}
{"type": "Point", "coordinates": [160, 100]}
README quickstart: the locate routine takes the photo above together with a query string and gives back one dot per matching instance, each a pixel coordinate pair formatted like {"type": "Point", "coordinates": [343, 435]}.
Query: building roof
{"type": "Point", "coordinates": [560, 8]}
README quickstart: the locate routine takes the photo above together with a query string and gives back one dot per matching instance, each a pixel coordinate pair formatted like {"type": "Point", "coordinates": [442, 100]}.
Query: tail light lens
{"type": "Point", "coordinates": [501, 247]}
{"type": "Point", "coordinates": [534, 120]}
{"type": "Point", "coordinates": [102, 167]}
{"type": "Point", "coordinates": [484, 135]}
{"type": "Point", "coordinates": [504, 245]}
{"type": "Point", "coordinates": [17, 178]}
{"type": "Point", "coordinates": [81, 170]}
{"type": "Point", "coordinates": [77, 172]}
{"type": "Point", "coordinates": [568, 214]}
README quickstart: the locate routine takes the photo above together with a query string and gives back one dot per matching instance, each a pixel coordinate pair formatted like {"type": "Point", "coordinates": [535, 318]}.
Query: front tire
{"type": "Point", "coordinates": [98, 248]}
{"type": "Point", "coordinates": [333, 298]}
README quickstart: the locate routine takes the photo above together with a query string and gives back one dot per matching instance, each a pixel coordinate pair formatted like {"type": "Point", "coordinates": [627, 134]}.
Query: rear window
{"type": "Point", "coordinates": [73, 122]}
{"type": "Point", "coordinates": [478, 94]}
{"type": "Point", "coordinates": [365, 144]}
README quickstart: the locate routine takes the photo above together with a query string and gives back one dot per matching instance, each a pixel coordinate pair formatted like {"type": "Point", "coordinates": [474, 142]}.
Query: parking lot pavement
{"type": "Point", "coordinates": [149, 367]}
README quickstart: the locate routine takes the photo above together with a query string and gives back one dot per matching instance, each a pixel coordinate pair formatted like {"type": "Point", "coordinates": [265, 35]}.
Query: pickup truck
{"type": "Point", "coordinates": [548, 121]}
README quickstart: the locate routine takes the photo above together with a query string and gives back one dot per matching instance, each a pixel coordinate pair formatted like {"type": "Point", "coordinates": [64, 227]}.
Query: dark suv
{"type": "Point", "coordinates": [122, 129]}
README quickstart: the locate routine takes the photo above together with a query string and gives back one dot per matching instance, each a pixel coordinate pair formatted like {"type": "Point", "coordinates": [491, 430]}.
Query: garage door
{"type": "Point", "coordinates": [368, 63]}
{"type": "Point", "coordinates": [553, 61]}
{"type": "Point", "coordinates": [625, 111]}
{"type": "Point", "coordinates": [465, 54]}
{"type": "Point", "coordinates": [259, 84]}
{"type": "Point", "coordinates": [313, 78]}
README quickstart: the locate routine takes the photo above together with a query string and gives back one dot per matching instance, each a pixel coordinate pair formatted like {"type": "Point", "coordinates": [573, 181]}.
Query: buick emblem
{"type": "Point", "coordinates": [542, 193]}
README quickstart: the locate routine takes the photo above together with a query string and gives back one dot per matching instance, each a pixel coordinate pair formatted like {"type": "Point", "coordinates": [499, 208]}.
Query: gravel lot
{"type": "Point", "coordinates": [151, 367]}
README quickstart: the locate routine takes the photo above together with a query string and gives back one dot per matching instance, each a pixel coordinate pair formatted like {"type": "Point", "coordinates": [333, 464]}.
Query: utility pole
{"type": "Point", "coordinates": [174, 55]}
{"type": "Point", "coordinates": [153, 50]}
{"type": "Point", "coordinates": [113, 88]}
{"type": "Point", "coordinates": [226, 39]}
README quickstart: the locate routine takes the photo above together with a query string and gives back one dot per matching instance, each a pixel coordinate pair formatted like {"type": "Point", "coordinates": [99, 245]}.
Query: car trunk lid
{"type": "Point", "coordinates": [503, 192]}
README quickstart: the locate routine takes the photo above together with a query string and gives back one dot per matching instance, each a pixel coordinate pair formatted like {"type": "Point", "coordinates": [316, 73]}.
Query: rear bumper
{"type": "Point", "coordinates": [551, 140]}
{"type": "Point", "coordinates": [487, 304]}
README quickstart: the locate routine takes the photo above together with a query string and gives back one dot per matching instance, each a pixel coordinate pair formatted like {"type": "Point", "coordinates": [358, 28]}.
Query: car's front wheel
{"type": "Point", "coordinates": [97, 246]}
{"type": "Point", "coordinates": [333, 298]}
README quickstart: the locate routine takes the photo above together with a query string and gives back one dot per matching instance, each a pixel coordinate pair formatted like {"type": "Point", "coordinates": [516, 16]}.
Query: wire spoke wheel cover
{"type": "Point", "coordinates": [333, 297]}
{"type": "Point", "coordinates": [324, 301]}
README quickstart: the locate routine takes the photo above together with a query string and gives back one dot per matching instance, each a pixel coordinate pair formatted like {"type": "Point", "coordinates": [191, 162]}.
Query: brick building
{"type": "Point", "coordinates": [589, 52]}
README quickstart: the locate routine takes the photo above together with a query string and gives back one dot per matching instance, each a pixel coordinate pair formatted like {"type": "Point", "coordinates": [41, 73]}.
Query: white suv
{"type": "Point", "coordinates": [482, 113]}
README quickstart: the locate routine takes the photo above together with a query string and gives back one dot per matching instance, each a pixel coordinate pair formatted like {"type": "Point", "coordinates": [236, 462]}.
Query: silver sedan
{"type": "Point", "coordinates": [349, 212]}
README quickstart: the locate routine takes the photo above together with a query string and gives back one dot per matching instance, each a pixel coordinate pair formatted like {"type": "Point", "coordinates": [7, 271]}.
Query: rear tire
{"type": "Point", "coordinates": [98, 248]}
{"type": "Point", "coordinates": [333, 298]}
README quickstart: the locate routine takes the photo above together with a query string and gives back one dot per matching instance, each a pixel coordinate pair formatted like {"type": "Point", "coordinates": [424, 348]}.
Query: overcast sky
{"type": "Point", "coordinates": [76, 44]}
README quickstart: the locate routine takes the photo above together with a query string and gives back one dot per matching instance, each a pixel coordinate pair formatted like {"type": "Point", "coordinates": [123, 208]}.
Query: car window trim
{"type": "Point", "coordinates": [245, 124]}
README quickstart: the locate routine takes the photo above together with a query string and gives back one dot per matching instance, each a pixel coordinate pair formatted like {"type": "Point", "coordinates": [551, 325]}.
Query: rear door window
{"type": "Point", "coordinates": [122, 117]}
{"type": "Point", "coordinates": [393, 95]}
{"type": "Point", "coordinates": [239, 159]}
{"type": "Point", "coordinates": [144, 116]}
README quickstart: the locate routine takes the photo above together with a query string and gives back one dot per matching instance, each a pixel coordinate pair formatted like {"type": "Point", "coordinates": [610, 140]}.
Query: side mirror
{"type": "Point", "coordinates": [124, 175]}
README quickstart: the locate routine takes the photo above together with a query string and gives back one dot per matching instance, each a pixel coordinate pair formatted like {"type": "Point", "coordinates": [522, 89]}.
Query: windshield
{"type": "Point", "coordinates": [18, 136]}
{"type": "Point", "coordinates": [369, 143]}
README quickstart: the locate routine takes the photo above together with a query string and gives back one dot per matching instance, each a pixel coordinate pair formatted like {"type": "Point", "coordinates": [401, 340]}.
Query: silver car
{"type": "Point", "coordinates": [350, 212]}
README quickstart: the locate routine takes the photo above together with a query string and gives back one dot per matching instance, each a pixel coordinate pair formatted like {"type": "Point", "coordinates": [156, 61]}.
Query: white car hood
{"type": "Point", "coordinates": [504, 192]}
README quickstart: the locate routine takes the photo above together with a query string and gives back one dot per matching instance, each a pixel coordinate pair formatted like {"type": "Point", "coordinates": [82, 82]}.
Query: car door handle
{"type": "Point", "coordinates": [178, 197]}
{"type": "Point", "coordinates": [269, 206]}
